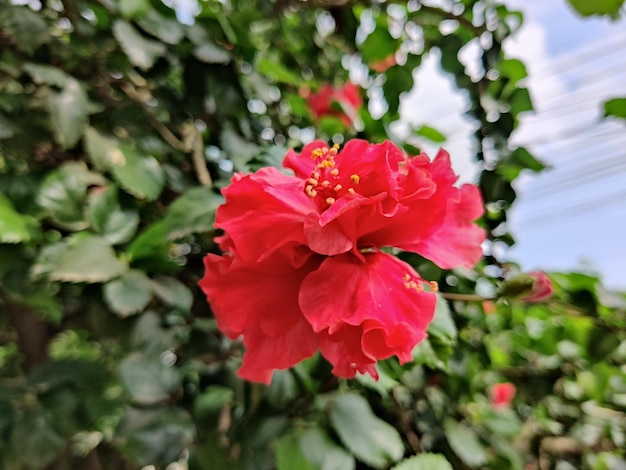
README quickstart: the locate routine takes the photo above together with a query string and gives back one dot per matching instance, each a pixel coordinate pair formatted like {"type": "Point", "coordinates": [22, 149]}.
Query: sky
{"type": "Point", "coordinates": [571, 217]}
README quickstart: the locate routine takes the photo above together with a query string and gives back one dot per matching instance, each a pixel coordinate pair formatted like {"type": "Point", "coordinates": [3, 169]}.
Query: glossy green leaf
{"type": "Point", "coordinates": [465, 443]}
{"type": "Point", "coordinates": [212, 401]}
{"type": "Point", "coordinates": [134, 8]}
{"type": "Point", "coordinates": [615, 107]}
{"type": "Point", "coordinates": [46, 74]}
{"type": "Point", "coordinates": [108, 219]}
{"type": "Point", "coordinates": [325, 454]}
{"type": "Point", "coordinates": [399, 80]}
{"type": "Point", "coordinates": [443, 326]}
{"type": "Point", "coordinates": [424, 461]}
{"type": "Point", "coordinates": [369, 438]}
{"type": "Point", "coordinates": [289, 456]}
{"type": "Point", "coordinates": [597, 7]}
{"type": "Point", "coordinates": [158, 436]}
{"type": "Point", "coordinates": [14, 227]}
{"type": "Point", "coordinates": [100, 148]}
{"type": "Point", "coordinates": [140, 175]}
{"type": "Point", "coordinates": [378, 46]}
{"type": "Point", "coordinates": [129, 293]}
{"type": "Point", "coordinates": [276, 71]}
{"type": "Point", "coordinates": [173, 292]}
{"type": "Point", "coordinates": [35, 438]}
{"type": "Point", "coordinates": [69, 110]}
{"type": "Point", "coordinates": [87, 259]}
{"type": "Point", "coordinates": [431, 134]}
{"type": "Point", "coordinates": [147, 379]}
{"type": "Point", "coordinates": [192, 212]}
{"type": "Point", "coordinates": [141, 52]}
{"type": "Point", "coordinates": [212, 53]}
{"type": "Point", "coordinates": [28, 28]}
{"type": "Point", "coordinates": [62, 194]}
{"type": "Point", "coordinates": [168, 30]}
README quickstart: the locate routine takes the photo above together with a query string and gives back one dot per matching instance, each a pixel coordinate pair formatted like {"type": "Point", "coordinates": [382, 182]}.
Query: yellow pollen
{"type": "Point", "coordinates": [355, 179]}
{"type": "Point", "coordinates": [406, 277]}
{"type": "Point", "coordinates": [334, 172]}
{"type": "Point", "coordinates": [315, 175]}
{"type": "Point", "coordinates": [337, 188]}
{"type": "Point", "coordinates": [334, 149]}
{"type": "Point", "coordinates": [330, 201]}
{"type": "Point", "coordinates": [351, 191]}
{"type": "Point", "coordinates": [313, 181]}
{"type": "Point", "coordinates": [325, 184]}
{"type": "Point", "coordinates": [434, 286]}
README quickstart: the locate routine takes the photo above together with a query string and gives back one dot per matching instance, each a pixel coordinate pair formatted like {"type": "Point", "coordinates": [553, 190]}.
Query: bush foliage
{"type": "Point", "coordinates": [119, 124]}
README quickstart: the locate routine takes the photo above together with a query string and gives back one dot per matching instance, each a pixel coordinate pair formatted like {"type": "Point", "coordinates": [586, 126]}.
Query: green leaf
{"type": "Point", "coordinates": [14, 227]}
{"type": "Point", "coordinates": [513, 69]}
{"type": "Point", "coordinates": [128, 294]}
{"type": "Point", "coordinates": [597, 7]}
{"type": "Point", "coordinates": [465, 443]}
{"type": "Point", "coordinates": [212, 53]}
{"type": "Point", "coordinates": [108, 219]}
{"type": "Point", "coordinates": [27, 27]}
{"type": "Point", "coordinates": [443, 326]}
{"type": "Point", "coordinates": [193, 212]}
{"type": "Point", "coordinates": [239, 150]}
{"type": "Point", "coordinates": [289, 456]}
{"type": "Point", "coordinates": [378, 45]}
{"type": "Point", "coordinates": [155, 436]}
{"type": "Point", "coordinates": [424, 462]}
{"type": "Point", "coordinates": [69, 110]}
{"type": "Point", "coordinates": [369, 438]}
{"type": "Point", "coordinates": [35, 440]}
{"type": "Point", "coordinates": [276, 71]}
{"type": "Point", "coordinates": [398, 80]}
{"type": "Point", "coordinates": [173, 292]}
{"type": "Point", "coordinates": [62, 194]}
{"type": "Point", "coordinates": [46, 74]}
{"type": "Point", "coordinates": [86, 258]}
{"type": "Point", "coordinates": [134, 8]}
{"type": "Point", "coordinates": [168, 30]}
{"type": "Point", "coordinates": [510, 166]}
{"type": "Point", "coordinates": [212, 401]}
{"type": "Point", "coordinates": [140, 175]}
{"type": "Point", "coordinates": [431, 134]}
{"type": "Point", "coordinates": [141, 52]}
{"type": "Point", "coordinates": [147, 379]}
{"type": "Point", "coordinates": [101, 149]}
{"type": "Point", "coordinates": [325, 454]}
{"type": "Point", "coordinates": [520, 101]}
{"type": "Point", "coordinates": [615, 107]}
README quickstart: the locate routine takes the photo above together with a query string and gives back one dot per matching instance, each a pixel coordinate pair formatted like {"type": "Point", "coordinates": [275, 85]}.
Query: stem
{"type": "Point", "coordinates": [464, 297]}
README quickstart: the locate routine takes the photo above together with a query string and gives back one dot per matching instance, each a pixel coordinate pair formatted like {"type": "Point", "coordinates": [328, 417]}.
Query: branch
{"type": "Point", "coordinates": [463, 297]}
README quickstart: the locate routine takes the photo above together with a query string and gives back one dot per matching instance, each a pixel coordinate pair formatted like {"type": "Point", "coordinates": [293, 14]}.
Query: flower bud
{"type": "Point", "coordinates": [532, 287]}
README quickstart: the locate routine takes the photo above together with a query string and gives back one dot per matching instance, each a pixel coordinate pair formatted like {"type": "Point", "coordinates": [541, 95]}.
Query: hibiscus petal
{"type": "Point", "coordinates": [266, 353]}
{"type": "Point", "coordinates": [366, 309]}
{"type": "Point", "coordinates": [264, 294]}
{"type": "Point", "coordinates": [264, 212]}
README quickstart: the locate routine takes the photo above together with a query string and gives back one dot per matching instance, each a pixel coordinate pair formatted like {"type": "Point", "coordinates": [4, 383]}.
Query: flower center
{"type": "Point", "coordinates": [325, 182]}
{"type": "Point", "coordinates": [417, 284]}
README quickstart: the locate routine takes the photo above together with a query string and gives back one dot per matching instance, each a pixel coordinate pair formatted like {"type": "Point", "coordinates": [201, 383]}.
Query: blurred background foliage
{"type": "Point", "coordinates": [119, 124]}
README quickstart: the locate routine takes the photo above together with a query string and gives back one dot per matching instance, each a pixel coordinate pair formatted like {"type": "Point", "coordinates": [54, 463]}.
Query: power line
{"type": "Point", "coordinates": [577, 209]}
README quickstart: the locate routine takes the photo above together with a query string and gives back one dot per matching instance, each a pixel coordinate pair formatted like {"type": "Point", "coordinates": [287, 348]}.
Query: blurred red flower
{"type": "Point", "coordinates": [542, 288]}
{"type": "Point", "coordinates": [343, 103]}
{"type": "Point", "coordinates": [304, 265]}
{"type": "Point", "coordinates": [502, 394]}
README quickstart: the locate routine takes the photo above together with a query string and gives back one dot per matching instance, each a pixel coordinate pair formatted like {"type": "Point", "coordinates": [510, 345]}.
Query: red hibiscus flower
{"type": "Point", "coordinates": [304, 270]}
{"type": "Point", "coordinates": [343, 103]}
{"type": "Point", "coordinates": [502, 394]}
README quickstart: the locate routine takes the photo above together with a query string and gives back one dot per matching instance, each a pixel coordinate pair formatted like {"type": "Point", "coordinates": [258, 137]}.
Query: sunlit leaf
{"type": "Point", "coordinates": [465, 443]}
{"type": "Point", "coordinates": [140, 175]}
{"type": "Point", "coordinates": [129, 293]}
{"type": "Point", "coordinates": [141, 52]}
{"type": "Point", "coordinates": [69, 110]}
{"type": "Point", "coordinates": [424, 461]}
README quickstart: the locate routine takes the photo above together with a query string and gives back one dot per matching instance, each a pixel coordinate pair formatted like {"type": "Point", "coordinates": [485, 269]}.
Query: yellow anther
{"type": "Point", "coordinates": [337, 188]}
{"type": "Point", "coordinates": [330, 201]}
{"type": "Point", "coordinates": [406, 277]}
{"type": "Point", "coordinates": [334, 172]}
{"type": "Point", "coordinates": [434, 286]}
{"type": "Point", "coordinates": [315, 175]}
{"type": "Point", "coordinates": [334, 149]}
{"type": "Point", "coordinates": [355, 179]}
{"type": "Point", "coordinates": [325, 184]}
{"type": "Point", "coordinates": [313, 181]}
{"type": "Point", "coordinates": [351, 191]}
{"type": "Point", "coordinates": [309, 191]}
